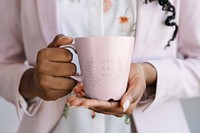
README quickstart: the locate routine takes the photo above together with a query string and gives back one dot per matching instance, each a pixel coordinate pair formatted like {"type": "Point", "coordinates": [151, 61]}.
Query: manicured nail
{"type": "Point", "coordinates": [126, 105]}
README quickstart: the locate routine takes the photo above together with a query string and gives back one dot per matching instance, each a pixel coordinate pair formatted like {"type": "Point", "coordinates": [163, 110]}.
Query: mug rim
{"type": "Point", "coordinates": [90, 37]}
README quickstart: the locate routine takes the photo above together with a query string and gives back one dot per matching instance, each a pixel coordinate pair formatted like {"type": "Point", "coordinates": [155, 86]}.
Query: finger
{"type": "Point", "coordinates": [79, 93]}
{"type": "Point", "coordinates": [56, 83]}
{"type": "Point", "coordinates": [52, 94]}
{"type": "Point", "coordinates": [117, 114]}
{"type": "Point", "coordinates": [61, 69]}
{"type": "Point", "coordinates": [77, 102]}
{"type": "Point", "coordinates": [71, 99]}
{"type": "Point", "coordinates": [135, 90]}
{"type": "Point", "coordinates": [55, 55]}
{"type": "Point", "coordinates": [132, 107]}
{"type": "Point", "coordinates": [105, 106]}
{"type": "Point", "coordinates": [80, 102]}
{"type": "Point", "coordinates": [60, 40]}
{"type": "Point", "coordinates": [79, 90]}
{"type": "Point", "coordinates": [63, 83]}
{"type": "Point", "coordinates": [56, 69]}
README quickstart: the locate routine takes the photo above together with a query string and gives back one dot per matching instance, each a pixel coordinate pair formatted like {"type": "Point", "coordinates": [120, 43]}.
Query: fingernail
{"type": "Point", "coordinates": [126, 105]}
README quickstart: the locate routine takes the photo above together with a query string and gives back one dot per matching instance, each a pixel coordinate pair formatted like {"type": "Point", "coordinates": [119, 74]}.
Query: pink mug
{"type": "Point", "coordinates": [105, 64]}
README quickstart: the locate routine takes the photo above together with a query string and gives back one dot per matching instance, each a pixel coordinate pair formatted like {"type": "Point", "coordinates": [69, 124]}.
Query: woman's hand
{"type": "Point", "coordinates": [140, 76]}
{"type": "Point", "coordinates": [49, 79]}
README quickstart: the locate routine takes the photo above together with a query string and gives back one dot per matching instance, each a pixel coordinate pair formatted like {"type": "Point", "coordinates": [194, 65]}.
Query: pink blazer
{"type": "Point", "coordinates": [29, 25]}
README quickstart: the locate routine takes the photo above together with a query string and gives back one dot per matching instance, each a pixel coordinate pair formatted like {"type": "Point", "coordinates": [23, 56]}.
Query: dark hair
{"type": "Point", "coordinates": [167, 6]}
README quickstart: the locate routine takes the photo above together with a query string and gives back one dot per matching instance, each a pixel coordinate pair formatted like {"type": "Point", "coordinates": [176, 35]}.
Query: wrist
{"type": "Point", "coordinates": [27, 84]}
{"type": "Point", "coordinates": [150, 74]}
{"type": "Point", "coordinates": [150, 79]}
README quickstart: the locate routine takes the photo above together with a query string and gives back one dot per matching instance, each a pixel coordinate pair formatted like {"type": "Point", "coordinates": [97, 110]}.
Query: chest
{"type": "Point", "coordinates": [41, 22]}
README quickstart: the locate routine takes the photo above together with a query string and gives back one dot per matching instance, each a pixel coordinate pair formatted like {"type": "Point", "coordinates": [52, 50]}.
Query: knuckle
{"type": "Point", "coordinates": [57, 37]}
{"type": "Point", "coordinates": [73, 68]}
{"type": "Point", "coordinates": [42, 56]}
{"type": "Point", "coordinates": [69, 55]}
{"type": "Point", "coordinates": [44, 84]}
{"type": "Point", "coordinates": [42, 61]}
{"type": "Point", "coordinates": [41, 53]}
{"type": "Point", "coordinates": [41, 68]}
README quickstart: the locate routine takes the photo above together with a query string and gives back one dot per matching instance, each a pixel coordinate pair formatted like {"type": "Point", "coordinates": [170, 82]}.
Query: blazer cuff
{"type": "Point", "coordinates": [147, 98]}
{"type": "Point", "coordinates": [165, 81]}
{"type": "Point", "coordinates": [29, 107]}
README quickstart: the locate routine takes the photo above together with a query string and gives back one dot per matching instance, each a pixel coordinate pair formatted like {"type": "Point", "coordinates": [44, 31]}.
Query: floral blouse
{"type": "Point", "coordinates": [78, 18]}
{"type": "Point", "coordinates": [98, 17]}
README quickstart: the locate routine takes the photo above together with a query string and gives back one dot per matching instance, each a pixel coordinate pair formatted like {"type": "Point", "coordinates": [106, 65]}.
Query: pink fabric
{"type": "Point", "coordinates": [31, 25]}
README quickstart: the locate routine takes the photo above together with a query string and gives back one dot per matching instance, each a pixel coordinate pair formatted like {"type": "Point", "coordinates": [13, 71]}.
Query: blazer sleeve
{"type": "Point", "coordinates": [12, 55]}
{"type": "Point", "coordinates": [180, 78]}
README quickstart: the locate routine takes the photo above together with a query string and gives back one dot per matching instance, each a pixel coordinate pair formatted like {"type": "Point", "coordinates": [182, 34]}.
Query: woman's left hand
{"type": "Point", "coordinates": [140, 75]}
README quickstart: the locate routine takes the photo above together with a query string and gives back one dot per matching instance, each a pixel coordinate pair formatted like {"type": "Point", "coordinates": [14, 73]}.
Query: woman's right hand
{"type": "Point", "coordinates": [49, 79]}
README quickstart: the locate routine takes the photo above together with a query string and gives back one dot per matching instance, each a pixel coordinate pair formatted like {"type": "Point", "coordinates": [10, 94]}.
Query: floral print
{"type": "Point", "coordinates": [107, 5]}
{"type": "Point", "coordinates": [124, 22]}
{"type": "Point", "coordinates": [123, 19]}
{"type": "Point", "coordinates": [65, 112]}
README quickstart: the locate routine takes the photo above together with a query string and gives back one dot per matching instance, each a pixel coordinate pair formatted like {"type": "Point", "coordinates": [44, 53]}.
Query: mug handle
{"type": "Point", "coordinates": [77, 77]}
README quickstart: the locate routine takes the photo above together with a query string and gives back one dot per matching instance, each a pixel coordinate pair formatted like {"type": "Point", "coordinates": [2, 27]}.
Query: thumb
{"type": "Point", "coordinates": [133, 95]}
{"type": "Point", "coordinates": [60, 40]}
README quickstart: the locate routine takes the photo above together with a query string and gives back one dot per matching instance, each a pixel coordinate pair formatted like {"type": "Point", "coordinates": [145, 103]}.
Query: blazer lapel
{"type": "Point", "coordinates": [150, 25]}
{"type": "Point", "coordinates": [144, 28]}
{"type": "Point", "coordinates": [48, 18]}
